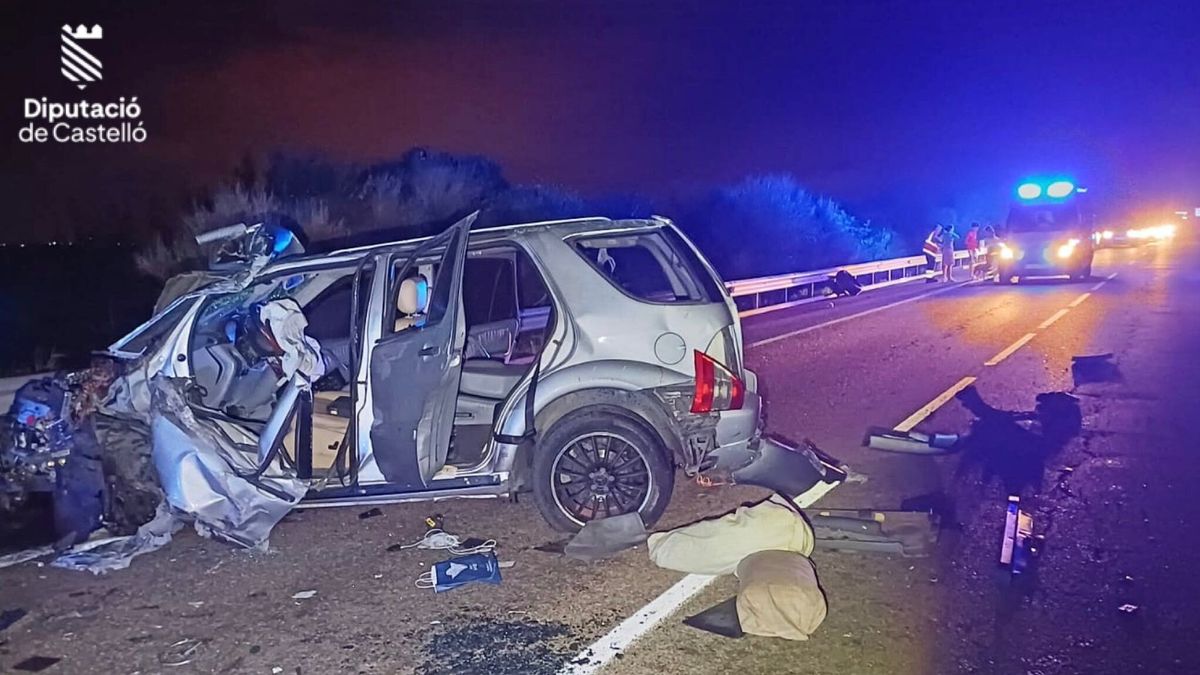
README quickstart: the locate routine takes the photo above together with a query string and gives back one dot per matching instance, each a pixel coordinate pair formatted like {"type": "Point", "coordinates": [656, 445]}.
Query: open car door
{"type": "Point", "coordinates": [415, 371]}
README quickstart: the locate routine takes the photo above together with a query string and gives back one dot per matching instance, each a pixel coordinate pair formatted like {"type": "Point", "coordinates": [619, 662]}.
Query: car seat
{"type": "Point", "coordinates": [412, 301]}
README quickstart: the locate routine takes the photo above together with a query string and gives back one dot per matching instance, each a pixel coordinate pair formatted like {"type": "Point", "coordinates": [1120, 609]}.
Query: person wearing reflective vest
{"type": "Point", "coordinates": [932, 248]}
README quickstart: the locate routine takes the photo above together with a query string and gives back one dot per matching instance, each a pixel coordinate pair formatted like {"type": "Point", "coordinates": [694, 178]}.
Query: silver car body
{"type": "Point", "coordinates": [602, 343]}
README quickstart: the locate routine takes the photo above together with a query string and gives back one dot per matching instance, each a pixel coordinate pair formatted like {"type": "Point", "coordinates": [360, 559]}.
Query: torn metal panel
{"type": "Point", "coordinates": [204, 474]}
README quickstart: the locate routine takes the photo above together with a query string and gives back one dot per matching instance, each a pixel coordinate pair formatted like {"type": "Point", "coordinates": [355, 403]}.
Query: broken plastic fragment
{"type": "Point", "coordinates": [303, 595]}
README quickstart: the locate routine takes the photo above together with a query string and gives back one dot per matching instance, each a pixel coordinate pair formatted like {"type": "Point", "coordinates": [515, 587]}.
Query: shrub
{"type": "Point", "coordinates": [771, 225]}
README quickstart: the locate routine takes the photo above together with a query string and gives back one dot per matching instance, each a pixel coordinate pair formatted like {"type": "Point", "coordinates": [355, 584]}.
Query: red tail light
{"type": "Point", "coordinates": [716, 387]}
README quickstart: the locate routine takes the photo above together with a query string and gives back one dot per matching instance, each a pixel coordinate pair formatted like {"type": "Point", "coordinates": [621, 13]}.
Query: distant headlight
{"type": "Point", "coordinates": [1066, 250]}
{"type": "Point", "coordinates": [1107, 234]}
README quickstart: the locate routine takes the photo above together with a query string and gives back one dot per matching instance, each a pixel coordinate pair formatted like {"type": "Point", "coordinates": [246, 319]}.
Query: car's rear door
{"type": "Point", "coordinates": [415, 372]}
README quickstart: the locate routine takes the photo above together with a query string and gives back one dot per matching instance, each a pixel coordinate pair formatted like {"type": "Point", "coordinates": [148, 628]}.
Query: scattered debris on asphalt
{"type": "Point", "coordinates": [180, 653]}
{"type": "Point", "coordinates": [303, 595]}
{"type": "Point", "coordinates": [10, 616]}
{"type": "Point", "coordinates": [460, 571]}
{"type": "Point", "coordinates": [370, 513]}
{"type": "Point", "coordinates": [36, 664]}
{"type": "Point", "coordinates": [1015, 446]}
{"type": "Point", "coordinates": [802, 473]}
{"type": "Point", "coordinates": [1016, 547]}
{"type": "Point", "coordinates": [906, 533]}
{"type": "Point", "coordinates": [1128, 609]}
{"type": "Point", "coordinates": [911, 442]}
{"type": "Point", "coordinates": [437, 539]}
{"type": "Point", "coordinates": [604, 537]}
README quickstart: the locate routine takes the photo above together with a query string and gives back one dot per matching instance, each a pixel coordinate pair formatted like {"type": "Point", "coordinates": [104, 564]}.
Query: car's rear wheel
{"type": "Point", "coordinates": [597, 463]}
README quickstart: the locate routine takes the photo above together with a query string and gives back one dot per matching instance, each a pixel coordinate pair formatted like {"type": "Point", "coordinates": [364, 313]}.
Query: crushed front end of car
{"type": "Point", "coordinates": [119, 446]}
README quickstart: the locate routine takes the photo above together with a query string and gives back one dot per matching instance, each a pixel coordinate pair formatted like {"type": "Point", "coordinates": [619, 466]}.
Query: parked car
{"type": "Point", "coordinates": [585, 360]}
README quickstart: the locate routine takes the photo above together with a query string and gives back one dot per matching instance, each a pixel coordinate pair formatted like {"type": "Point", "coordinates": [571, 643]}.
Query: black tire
{"type": "Point", "coordinates": [558, 452]}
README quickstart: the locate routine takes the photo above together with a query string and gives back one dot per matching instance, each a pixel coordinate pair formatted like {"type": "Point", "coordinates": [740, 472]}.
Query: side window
{"type": "Point", "coordinates": [650, 267]}
{"type": "Point", "coordinates": [488, 290]}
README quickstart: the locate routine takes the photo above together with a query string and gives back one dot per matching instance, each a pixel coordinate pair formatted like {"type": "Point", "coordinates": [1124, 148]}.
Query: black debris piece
{"type": "Point", "coordinates": [605, 537]}
{"type": "Point", "coordinates": [36, 664]}
{"type": "Point", "coordinates": [558, 547]}
{"type": "Point", "coordinates": [10, 616]}
{"type": "Point", "coordinates": [1094, 368]}
{"type": "Point", "coordinates": [370, 513]}
{"type": "Point", "coordinates": [844, 284]}
{"type": "Point", "coordinates": [721, 619]}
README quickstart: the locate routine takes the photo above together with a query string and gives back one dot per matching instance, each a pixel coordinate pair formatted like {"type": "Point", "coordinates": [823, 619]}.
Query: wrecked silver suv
{"type": "Point", "coordinates": [584, 360]}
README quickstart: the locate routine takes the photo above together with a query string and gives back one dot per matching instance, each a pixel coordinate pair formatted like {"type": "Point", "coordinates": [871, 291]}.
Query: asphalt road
{"type": "Point", "coordinates": [1114, 502]}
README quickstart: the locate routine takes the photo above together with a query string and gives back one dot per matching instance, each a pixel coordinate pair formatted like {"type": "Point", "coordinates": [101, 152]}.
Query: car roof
{"type": "Point", "coordinates": [563, 228]}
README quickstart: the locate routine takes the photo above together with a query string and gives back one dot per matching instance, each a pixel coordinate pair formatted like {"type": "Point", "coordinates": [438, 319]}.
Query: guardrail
{"type": "Point", "coordinates": [767, 294]}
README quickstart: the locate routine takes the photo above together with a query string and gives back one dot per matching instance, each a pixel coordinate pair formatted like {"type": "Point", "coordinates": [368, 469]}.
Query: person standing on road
{"type": "Point", "coordinates": [947, 242]}
{"type": "Point", "coordinates": [990, 240]}
{"type": "Point", "coordinates": [972, 245]}
{"type": "Point", "coordinates": [932, 248]}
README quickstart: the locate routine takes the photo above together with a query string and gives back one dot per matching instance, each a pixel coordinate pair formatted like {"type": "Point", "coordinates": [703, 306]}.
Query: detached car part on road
{"type": "Point", "coordinates": [583, 359]}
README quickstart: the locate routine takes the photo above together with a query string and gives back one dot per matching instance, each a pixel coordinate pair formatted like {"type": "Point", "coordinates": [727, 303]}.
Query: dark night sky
{"type": "Point", "coordinates": [893, 107]}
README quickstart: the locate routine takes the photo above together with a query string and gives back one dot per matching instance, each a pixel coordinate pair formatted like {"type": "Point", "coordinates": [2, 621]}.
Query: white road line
{"type": "Point", "coordinates": [1008, 351]}
{"type": "Point", "coordinates": [1078, 301]}
{"type": "Point", "coordinates": [1053, 317]}
{"type": "Point", "coordinates": [594, 657]}
{"type": "Point", "coordinates": [1107, 279]}
{"type": "Point", "coordinates": [929, 408]}
{"type": "Point", "coordinates": [833, 322]}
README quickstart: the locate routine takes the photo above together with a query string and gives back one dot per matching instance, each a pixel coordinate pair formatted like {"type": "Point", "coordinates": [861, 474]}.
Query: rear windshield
{"type": "Point", "coordinates": [656, 266]}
